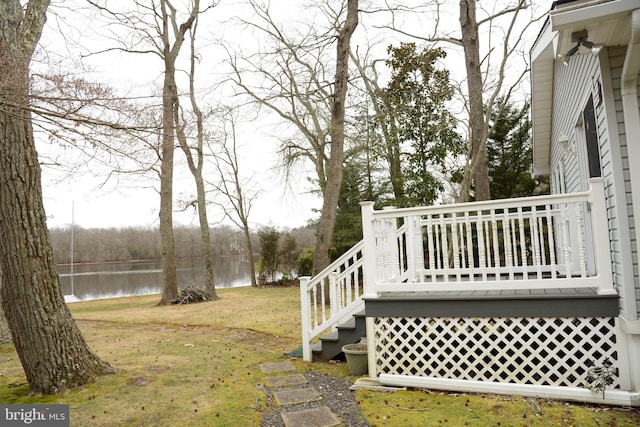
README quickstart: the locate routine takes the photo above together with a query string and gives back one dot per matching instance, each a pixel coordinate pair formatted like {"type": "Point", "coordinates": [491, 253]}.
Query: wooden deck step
{"type": "Point", "coordinates": [349, 332]}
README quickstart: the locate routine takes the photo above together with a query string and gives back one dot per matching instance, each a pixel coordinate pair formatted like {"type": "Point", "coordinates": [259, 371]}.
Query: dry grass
{"type": "Point", "coordinates": [195, 365]}
{"type": "Point", "coordinates": [429, 408]}
{"type": "Point", "coordinates": [198, 365]}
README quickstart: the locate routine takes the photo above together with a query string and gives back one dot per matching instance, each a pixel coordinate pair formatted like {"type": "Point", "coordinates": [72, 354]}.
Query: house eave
{"type": "Point", "coordinates": [542, 63]}
{"type": "Point", "coordinates": [607, 22]}
{"type": "Point", "coordinates": [583, 13]}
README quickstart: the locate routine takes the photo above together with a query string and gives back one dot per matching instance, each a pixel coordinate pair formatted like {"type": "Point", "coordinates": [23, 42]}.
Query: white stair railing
{"type": "Point", "coordinates": [331, 297]}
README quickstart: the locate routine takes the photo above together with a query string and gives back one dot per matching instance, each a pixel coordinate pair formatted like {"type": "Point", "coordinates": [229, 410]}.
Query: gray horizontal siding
{"type": "Point", "coordinates": [629, 277]}
{"type": "Point", "coordinates": [573, 87]}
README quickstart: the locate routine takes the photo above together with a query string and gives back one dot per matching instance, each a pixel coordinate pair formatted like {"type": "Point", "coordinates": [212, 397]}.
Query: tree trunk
{"type": "Point", "coordinates": [201, 206]}
{"type": "Point", "coordinates": [322, 255]}
{"type": "Point", "coordinates": [167, 241]}
{"type": "Point", "coordinates": [201, 202]}
{"type": "Point", "coordinates": [477, 168]}
{"type": "Point", "coordinates": [210, 284]}
{"type": "Point", "coordinates": [252, 265]}
{"type": "Point", "coordinates": [196, 168]}
{"type": "Point", "coordinates": [169, 111]}
{"type": "Point", "coordinates": [50, 346]}
{"type": "Point", "coordinates": [5, 333]}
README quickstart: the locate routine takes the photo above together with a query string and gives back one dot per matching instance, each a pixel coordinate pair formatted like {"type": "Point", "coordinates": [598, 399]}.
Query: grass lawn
{"type": "Point", "coordinates": [198, 365]}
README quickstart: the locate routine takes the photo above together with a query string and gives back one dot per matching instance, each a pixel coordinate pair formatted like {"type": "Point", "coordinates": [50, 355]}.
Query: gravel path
{"type": "Point", "coordinates": [335, 395]}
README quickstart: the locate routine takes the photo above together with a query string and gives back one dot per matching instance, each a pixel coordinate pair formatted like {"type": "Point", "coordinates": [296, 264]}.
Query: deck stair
{"type": "Point", "coordinates": [330, 346]}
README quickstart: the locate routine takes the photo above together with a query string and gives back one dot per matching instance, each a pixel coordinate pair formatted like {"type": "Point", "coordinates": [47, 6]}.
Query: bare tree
{"type": "Point", "coordinates": [195, 159]}
{"type": "Point", "coordinates": [322, 256]}
{"type": "Point", "coordinates": [50, 346]}
{"type": "Point", "coordinates": [238, 192]}
{"type": "Point", "coordinates": [295, 86]}
{"type": "Point", "coordinates": [170, 51]}
{"type": "Point", "coordinates": [478, 127]}
{"type": "Point", "coordinates": [156, 30]}
{"type": "Point", "coordinates": [289, 80]}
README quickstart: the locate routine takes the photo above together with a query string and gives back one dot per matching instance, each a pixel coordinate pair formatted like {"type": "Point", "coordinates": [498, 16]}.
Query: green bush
{"type": "Point", "coordinates": [305, 262]}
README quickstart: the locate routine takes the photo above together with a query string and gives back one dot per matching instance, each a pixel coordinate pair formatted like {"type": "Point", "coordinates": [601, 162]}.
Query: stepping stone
{"type": "Point", "coordinates": [276, 367]}
{"type": "Point", "coordinates": [317, 417]}
{"type": "Point", "coordinates": [298, 395]}
{"type": "Point", "coordinates": [287, 380]}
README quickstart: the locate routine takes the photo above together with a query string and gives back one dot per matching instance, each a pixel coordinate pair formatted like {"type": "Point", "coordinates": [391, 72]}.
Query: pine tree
{"type": "Point", "coordinates": [509, 153]}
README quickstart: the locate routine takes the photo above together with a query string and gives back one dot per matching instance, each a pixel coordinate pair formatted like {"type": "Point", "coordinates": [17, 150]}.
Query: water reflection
{"type": "Point", "coordinates": [118, 279]}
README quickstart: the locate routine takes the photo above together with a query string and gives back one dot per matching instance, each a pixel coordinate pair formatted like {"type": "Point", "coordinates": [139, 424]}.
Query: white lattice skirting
{"type": "Point", "coordinates": [555, 351]}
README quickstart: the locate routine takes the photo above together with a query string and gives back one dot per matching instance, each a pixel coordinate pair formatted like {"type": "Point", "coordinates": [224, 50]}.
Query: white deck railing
{"type": "Point", "coordinates": [542, 242]}
{"type": "Point", "coordinates": [331, 297]}
{"type": "Point", "coordinates": [557, 241]}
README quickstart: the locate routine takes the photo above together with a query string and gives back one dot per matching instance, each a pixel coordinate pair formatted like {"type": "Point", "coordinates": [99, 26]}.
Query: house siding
{"type": "Point", "coordinates": [573, 87]}
{"type": "Point", "coordinates": [571, 92]}
{"type": "Point", "coordinates": [621, 256]}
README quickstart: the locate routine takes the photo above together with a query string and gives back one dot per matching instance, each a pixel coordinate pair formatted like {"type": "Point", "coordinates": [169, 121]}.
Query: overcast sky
{"type": "Point", "coordinates": [122, 201]}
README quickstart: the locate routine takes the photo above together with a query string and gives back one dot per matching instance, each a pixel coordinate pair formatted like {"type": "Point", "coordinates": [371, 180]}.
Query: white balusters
{"type": "Point", "coordinates": [431, 235]}
{"type": "Point", "coordinates": [482, 238]}
{"type": "Point", "coordinates": [552, 243]}
{"type": "Point", "coordinates": [497, 244]}
{"type": "Point", "coordinates": [506, 239]}
{"type": "Point", "coordinates": [581, 241]}
{"type": "Point", "coordinates": [469, 241]}
{"type": "Point", "coordinates": [535, 242]}
{"type": "Point", "coordinates": [566, 241]}
{"type": "Point", "coordinates": [444, 248]}
{"type": "Point", "coordinates": [522, 240]}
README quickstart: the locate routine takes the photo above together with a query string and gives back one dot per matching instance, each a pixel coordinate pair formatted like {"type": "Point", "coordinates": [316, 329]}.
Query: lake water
{"type": "Point", "coordinates": [118, 279]}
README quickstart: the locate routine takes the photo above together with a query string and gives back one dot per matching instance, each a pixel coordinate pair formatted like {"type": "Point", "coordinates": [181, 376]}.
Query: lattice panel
{"type": "Point", "coordinates": [541, 351]}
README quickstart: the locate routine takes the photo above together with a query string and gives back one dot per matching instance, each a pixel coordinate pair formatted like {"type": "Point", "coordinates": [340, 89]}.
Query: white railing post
{"type": "Point", "coordinates": [368, 249]}
{"type": "Point", "coordinates": [333, 294]}
{"type": "Point", "coordinates": [305, 312]}
{"type": "Point", "coordinates": [601, 236]}
{"type": "Point", "coordinates": [415, 250]}
{"type": "Point", "coordinates": [393, 247]}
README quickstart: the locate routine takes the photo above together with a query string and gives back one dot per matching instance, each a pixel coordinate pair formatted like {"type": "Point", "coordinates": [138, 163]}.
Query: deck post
{"type": "Point", "coordinates": [601, 237]}
{"type": "Point", "coordinates": [369, 248]}
{"type": "Point", "coordinates": [305, 318]}
{"type": "Point", "coordinates": [371, 346]}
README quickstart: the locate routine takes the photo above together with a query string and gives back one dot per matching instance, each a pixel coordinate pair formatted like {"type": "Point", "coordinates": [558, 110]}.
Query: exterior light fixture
{"type": "Point", "coordinates": [594, 48]}
{"type": "Point", "coordinates": [580, 38]}
{"type": "Point", "coordinates": [563, 140]}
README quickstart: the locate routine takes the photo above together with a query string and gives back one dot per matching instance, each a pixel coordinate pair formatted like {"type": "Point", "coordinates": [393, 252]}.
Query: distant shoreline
{"type": "Point", "coordinates": [143, 260]}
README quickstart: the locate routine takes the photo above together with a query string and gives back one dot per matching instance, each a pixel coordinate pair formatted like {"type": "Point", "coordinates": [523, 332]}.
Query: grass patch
{"type": "Point", "coordinates": [198, 365]}
{"type": "Point", "coordinates": [429, 408]}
